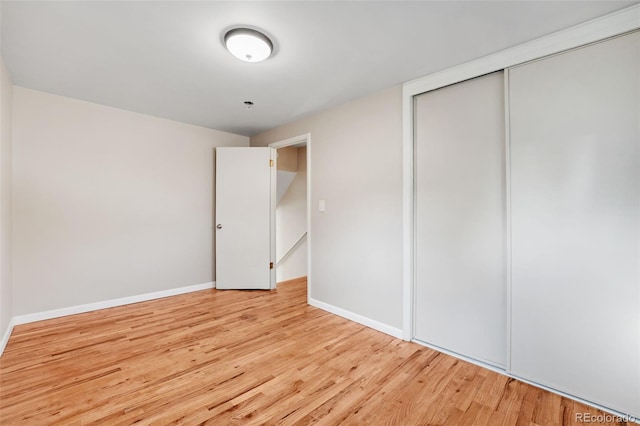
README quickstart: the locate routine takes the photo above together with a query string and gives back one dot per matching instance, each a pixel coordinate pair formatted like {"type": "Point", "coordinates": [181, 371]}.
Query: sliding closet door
{"type": "Point", "coordinates": [460, 301]}
{"type": "Point", "coordinates": [575, 203]}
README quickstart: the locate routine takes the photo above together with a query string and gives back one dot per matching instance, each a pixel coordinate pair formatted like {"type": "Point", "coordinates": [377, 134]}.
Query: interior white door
{"type": "Point", "coordinates": [575, 220]}
{"type": "Point", "coordinates": [244, 218]}
{"type": "Point", "coordinates": [460, 293]}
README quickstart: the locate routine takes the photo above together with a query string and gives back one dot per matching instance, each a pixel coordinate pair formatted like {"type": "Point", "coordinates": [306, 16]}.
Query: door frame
{"type": "Point", "coordinates": [296, 140]}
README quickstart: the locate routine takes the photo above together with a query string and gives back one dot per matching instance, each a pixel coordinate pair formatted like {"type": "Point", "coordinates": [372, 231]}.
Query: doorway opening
{"type": "Point", "coordinates": [292, 212]}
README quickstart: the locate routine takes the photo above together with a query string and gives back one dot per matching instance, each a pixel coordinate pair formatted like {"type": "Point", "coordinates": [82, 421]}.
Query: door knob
{"type": "Point", "coordinates": [219, 226]}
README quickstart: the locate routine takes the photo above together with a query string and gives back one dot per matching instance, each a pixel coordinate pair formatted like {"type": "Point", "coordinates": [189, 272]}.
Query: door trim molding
{"type": "Point", "coordinates": [598, 29]}
{"type": "Point", "coordinates": [298, 140]}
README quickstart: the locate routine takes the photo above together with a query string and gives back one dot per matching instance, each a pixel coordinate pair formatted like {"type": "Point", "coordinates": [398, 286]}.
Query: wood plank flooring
{"type": "Point", "coordinates": [249, 357]}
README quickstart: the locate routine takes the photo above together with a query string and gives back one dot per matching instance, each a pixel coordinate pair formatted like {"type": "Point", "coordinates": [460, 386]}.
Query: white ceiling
{"type": "Point", "coordinates": [166, 58]}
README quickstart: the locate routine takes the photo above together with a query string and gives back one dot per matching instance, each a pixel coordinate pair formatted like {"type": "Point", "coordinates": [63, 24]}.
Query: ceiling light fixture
{"type": "Point", "coordinates": [248, 45]}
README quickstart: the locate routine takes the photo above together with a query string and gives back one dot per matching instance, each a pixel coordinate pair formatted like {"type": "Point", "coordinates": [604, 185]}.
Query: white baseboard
{"type": "Point", "coordinates": [387, 329]}
{"type": "Point", "coordinates": [6, 335]}
{"type": "Point", "coordinates": [56, 313]}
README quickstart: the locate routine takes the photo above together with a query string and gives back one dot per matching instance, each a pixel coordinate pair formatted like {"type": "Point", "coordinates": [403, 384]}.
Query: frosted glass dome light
{"type": "Point", "coordinates": [248, 45]}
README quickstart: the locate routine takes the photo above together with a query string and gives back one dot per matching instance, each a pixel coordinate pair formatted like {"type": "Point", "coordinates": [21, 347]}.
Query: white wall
{"type": "Point", "coordinates": [107, 203]}
{"type": "Point", "coordinates": [6, 297]}
{"type": "Point", "coordinates": [291, 224]}
{"type": "Point", "coordinates": [356, 166]}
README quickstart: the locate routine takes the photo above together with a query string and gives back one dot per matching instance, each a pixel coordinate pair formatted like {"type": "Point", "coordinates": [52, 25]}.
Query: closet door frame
{"type": "Point", "coordinates": [617, 23]}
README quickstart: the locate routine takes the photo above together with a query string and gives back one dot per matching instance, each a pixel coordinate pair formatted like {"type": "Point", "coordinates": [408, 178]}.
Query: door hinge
{"type": "Point", "coordinates": [270, 163]}
{"type": "Point", "coordinates": [270, 265]}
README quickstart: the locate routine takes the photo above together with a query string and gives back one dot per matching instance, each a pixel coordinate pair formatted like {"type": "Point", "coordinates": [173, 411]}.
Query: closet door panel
{"type": "Point", "coordinates": [575, 214]}
{"type": "Point", "coordinates": [460, 294]}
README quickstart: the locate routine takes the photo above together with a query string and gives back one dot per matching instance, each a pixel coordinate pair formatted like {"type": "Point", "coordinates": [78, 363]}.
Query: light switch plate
{"type": "Point", "coordinates": [321, 205]}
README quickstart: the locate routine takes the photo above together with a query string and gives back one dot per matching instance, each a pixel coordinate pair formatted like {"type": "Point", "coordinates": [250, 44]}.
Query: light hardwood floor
{"type": "Point", "coordinates": [249, 357]}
